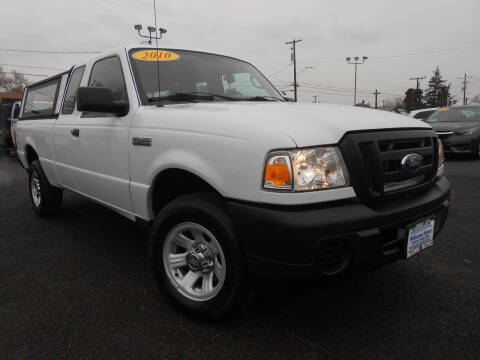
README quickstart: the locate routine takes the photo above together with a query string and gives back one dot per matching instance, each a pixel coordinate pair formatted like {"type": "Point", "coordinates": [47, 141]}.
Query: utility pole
{"type": "Point", "coordinates": [356, 62]}
{"type": "Point", "coordinates": [418, 79]}
{"type": "Point", "coordinates": [294, 56]}
{"type": "Point", "coordinates": [376, 93]}
{"type": "Point", "coordinates": [465, 82]}
{"type": "Point", "coordinates": [315, 98]}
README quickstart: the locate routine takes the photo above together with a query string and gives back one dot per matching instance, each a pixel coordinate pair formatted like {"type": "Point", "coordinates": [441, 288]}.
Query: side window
{"type": "Point", "coordinates": [61, 91]}
{"type": "Point", "coordinates": [40, 100]}
{"type": "Point", "coordinates": [108, 73]}
{"type": "Point", "coordinates": [71, 95]}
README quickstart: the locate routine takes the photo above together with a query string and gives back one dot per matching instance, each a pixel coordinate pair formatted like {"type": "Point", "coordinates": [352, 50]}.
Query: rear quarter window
{"type": "Point", "coordinates": [41, 99]}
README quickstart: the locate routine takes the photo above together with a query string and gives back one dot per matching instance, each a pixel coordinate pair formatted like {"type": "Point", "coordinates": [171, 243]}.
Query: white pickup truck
{"type": "Point", "coordinates": [236, 182]}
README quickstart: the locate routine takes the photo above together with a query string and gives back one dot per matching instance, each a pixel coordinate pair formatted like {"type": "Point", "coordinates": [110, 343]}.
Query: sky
{"type": "Point", "coordinates": [402, 39]}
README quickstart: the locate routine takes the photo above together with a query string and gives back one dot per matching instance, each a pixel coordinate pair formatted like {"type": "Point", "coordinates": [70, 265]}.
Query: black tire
{"type": "Point", "coordinates": [50, 196]}
{"type": "Point", "coordinates": [205, 210]}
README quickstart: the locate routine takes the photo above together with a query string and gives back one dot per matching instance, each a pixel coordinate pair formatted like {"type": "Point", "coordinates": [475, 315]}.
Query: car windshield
{"type": "Point", "coordinates": [184, 72]}
{"type": "Point", "coordinates": [423, 114]}
{"type": "Point", "coordinates": [460, 114]}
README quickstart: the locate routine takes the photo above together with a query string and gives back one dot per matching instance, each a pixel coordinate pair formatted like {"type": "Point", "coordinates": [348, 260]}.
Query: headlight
{"type": "Point", "coordinates": [467, 131]}
{"type": "Point", "coordinates": [306, 170]}
{"type": "Point", "coordinates": [441, 155]}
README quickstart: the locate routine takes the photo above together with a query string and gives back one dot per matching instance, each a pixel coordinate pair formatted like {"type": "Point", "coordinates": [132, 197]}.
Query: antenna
{"type": "Point", "coordinates": [155, 33]}
{"type": "Point", "coordinates": [156, 44]}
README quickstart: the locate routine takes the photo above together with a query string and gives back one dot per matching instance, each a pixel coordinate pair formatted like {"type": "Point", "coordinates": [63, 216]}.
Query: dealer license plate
{"type": "Point", "coordinates": [420, 236]}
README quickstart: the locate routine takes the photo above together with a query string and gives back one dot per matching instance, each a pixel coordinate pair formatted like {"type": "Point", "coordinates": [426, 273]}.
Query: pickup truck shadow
{"type": "Point", "coordinates": [83, 277]}
{"type": "Point", "coordinates": [332, 307]}
{"type": "Point", "coordinates": [87, 272]}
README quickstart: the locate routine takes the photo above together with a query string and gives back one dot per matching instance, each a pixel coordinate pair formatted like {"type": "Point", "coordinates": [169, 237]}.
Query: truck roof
{"type": "Point", "coordinates": [121, 49]}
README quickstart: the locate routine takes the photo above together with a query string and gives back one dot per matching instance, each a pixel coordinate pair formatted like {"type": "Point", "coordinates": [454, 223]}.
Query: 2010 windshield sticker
{"type": "Point", "coordinates": [155, 55]}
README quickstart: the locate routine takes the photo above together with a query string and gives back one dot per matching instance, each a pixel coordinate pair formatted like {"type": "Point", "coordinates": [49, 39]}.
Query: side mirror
{"type": "Point", "coordinates": [100, 100]}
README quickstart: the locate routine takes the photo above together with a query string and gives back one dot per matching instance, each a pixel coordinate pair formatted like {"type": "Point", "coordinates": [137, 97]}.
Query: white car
{"type": "Point", "coordinates": [235, 182]}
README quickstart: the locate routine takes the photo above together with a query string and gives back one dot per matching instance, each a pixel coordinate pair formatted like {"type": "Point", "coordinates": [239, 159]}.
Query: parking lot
{"type": "Point", "coordinates": [79, 286]}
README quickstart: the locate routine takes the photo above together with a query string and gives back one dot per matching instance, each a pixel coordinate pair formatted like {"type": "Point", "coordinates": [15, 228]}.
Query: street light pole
{"type": "Point", "coordinates": [356, 61]}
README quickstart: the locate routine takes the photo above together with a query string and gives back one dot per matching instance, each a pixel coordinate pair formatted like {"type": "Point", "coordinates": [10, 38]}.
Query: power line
{"type": "Point", "coordinates": [332, 88]}
{"type": "Point", "coordinates": [428, 52]}
{"type": "Point", "coordinates": [384, 57]}
{"type": "Point", "coordinates": [32, 67]}
{"type": "Point", "coordinates": [276, 72]}
{"type": "Point", "coordinates": [350, 91]}
{"type": "Point", "coordinates": [323, 92]}
{"type": "Point", "coordinates": [49, 51]}
{"type": "Point", "coordinates": [13, 73]}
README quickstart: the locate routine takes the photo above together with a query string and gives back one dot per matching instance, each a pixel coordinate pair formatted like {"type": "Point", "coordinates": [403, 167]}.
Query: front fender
{"type": "Point", "coordinates": [172, 159]}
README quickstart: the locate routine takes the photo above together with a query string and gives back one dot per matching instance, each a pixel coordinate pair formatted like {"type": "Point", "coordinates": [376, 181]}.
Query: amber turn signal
{"type": "Point", "coordinates": [278, 172]}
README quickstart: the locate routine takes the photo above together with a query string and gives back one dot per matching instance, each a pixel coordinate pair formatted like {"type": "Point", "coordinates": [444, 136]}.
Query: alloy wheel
{"type": "Point", "coordinates": [194, 261]}
{"type": "Point", "coordinates": [35, 189]}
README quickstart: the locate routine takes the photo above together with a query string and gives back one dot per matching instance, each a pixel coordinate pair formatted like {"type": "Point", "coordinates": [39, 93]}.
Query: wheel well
{"type": "Point", "coordinates": [30, 154]}
{"type": "Point", "coordinates": [172, 183]}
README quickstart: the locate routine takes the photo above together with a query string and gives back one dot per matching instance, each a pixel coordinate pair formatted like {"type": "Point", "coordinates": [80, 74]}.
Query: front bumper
{"type": "Point", "coordinates": [333, 237]}
{"type": "Point", "coordinates": [457, 144]}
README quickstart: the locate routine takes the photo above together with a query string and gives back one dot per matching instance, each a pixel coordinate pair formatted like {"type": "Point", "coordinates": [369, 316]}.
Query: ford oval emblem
{"type": "Point", "coordinates": [412, 163]}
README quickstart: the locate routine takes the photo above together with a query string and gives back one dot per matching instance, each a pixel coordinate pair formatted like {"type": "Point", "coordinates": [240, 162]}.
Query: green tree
{"type": "Point", "coordinates": [14, 82]}
{"type": "Point", "coordinates": [413, 99]}
{"type": "Point", "coordinates": [474, 100]}
{"type": "Point", "coordinates": [438, 92]}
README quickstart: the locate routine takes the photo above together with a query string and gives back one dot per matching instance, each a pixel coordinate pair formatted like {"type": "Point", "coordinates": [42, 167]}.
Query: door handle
{"type": "Point", "coordinates": [75, 132]}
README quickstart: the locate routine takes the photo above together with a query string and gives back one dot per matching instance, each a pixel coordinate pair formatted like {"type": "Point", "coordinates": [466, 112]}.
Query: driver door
{"type": "Point", "coordinates": [101, 142]}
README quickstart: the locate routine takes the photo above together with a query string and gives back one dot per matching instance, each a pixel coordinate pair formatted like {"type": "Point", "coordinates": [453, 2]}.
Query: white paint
{"type": "Point", "coordinates": [224, 143]}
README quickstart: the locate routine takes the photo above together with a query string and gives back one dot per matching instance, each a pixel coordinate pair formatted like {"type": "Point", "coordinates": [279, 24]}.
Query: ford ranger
{"type": "Point", "coordinates": [236, 183]}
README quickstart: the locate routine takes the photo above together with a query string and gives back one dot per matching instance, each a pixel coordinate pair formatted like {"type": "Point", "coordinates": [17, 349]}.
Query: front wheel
{"type": "Point", "coordinates": [196, 258]}
{"type": "Point", "coordinates": [46, 199]}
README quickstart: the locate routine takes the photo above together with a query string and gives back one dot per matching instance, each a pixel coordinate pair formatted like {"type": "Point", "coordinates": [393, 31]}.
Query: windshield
{"type": "Point", "coordinates": [189, 72]}
{"type": "Point", "coordinates": [465, 114]}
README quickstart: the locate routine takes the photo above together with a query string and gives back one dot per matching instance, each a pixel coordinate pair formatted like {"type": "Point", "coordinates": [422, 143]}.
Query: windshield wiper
{"type": "Point", "coordinates": [216, 95]}
{"type": "Point", "coordinates": [190, 97]}
{"type": "Point", "coordinates": [193, 96]}
{"type": "Point", "coordinates": [261, 98]}
{"type": "Point", "coordinates": [232, 98]}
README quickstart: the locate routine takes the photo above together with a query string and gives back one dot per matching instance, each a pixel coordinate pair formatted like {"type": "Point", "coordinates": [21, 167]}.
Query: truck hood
{"type": "Point", "coordinates": [305, 124]}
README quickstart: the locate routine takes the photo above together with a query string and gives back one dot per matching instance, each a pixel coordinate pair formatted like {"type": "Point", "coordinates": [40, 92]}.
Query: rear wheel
{"type": "Point", "coordinates": [45, 198]}
{"type": "Point", "coordinates": [196, 258]}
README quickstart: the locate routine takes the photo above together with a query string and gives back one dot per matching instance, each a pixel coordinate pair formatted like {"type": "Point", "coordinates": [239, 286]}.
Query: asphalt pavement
{"type": "Point", "coordinates": [79, 286]}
